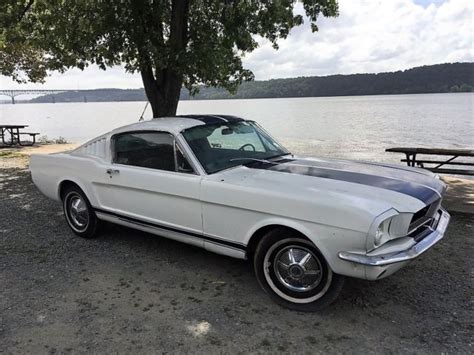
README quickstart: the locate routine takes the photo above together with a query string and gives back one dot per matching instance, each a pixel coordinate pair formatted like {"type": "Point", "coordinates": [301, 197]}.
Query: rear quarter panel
{"type": "Point", "coordinates": [49, 171]}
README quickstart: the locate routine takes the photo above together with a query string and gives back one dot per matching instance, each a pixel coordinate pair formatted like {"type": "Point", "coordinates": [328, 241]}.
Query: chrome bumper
{"type": "Point", "coordinates": [405, 255]}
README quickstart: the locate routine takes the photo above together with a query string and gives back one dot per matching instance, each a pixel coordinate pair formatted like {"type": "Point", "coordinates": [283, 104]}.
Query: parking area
{"type": "Point", "coordinates": [129, 291]}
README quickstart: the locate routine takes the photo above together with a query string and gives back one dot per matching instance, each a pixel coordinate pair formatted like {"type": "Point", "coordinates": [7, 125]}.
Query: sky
{"type": "Point", "coordinates": [369, 36]}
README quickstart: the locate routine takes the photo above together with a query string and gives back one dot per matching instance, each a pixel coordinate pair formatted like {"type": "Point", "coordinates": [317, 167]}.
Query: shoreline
{"type": "Point", "coordinates": [458, 198]}
{"type": "Point", "coordinates": [238, 98]}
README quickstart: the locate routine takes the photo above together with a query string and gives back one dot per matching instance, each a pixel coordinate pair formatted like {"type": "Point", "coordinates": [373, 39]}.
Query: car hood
{"type": "Point", "coordinates": [385, 186]}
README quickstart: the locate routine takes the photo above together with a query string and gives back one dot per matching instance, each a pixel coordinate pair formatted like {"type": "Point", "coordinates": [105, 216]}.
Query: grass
{"type": "Point", "coordinates": [46, 140]}
{"type": "Point", "coordinates": [10, 154]}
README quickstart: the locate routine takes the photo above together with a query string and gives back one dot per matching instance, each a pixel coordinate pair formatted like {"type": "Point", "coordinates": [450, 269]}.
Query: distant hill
{"type": "Point", "coordinates": [453, 77]}
{"type": "Point", "coordinates": [96, 95]}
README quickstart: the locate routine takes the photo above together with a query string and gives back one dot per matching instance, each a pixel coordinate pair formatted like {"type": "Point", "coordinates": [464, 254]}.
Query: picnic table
{"type": "Point", "coordinates": [448, 157]}
{"type": "Point", "coordinates": [13, 132]}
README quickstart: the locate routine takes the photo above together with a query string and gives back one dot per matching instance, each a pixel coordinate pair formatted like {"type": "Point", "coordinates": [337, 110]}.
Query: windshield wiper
{"type": "Point", "coordinates": [279, 155]}
{"type": "Point", "coordinates": [254, 159]}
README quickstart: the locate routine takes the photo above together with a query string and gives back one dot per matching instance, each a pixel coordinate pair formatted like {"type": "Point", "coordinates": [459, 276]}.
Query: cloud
{"type": "Point", "coordinates": [368, 36]}
{"type": "Point", "coordinates": [76, 79]}
{"type": "Point", "coordinates": [373, 36]}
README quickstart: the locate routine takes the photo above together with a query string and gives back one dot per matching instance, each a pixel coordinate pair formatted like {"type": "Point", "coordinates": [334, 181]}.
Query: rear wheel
{"type": "Point", "coordinates": [294, 273]}
{"type": "Point", "coordinates": [79, 213]}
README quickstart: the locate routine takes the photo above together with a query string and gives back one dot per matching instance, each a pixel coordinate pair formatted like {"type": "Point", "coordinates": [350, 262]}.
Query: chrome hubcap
{"type": "Point", "coordinates": [78, 212]}
{"type": "Point", "coordinates": [297, 268]}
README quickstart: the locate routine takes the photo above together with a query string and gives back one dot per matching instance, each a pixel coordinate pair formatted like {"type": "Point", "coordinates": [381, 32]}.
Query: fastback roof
{"type": "Point", "coordinates": [176, 124]}
{"type": "Point", "coordinates": [212, 119]}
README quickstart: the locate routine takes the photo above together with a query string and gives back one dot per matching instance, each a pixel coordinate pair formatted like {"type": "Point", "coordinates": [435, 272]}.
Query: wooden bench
{"type": "Point", "coordinates": [10, 135]}
{"type": "Point", "coordinates": [439, 165]}
{"type": "Point", "coordinates": [33, 137]}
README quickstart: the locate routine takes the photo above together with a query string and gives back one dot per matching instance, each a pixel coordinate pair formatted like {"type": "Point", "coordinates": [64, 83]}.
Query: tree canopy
{"type": "Point", "coordinates": [170, 42]}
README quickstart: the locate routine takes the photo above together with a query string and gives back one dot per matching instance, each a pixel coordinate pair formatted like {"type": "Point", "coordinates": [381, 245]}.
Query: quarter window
{"type": "Point", "coordinates": [153, 150]}
{"type": "Point", "coordinates": [182, 163]}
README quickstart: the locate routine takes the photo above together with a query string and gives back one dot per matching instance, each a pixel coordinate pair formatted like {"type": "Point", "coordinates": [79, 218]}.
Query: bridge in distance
{"type": "Point", "coordinates": [14, 93]}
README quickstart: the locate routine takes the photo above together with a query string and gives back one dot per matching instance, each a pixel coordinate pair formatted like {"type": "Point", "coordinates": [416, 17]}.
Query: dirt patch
{"type": "Point", "coordinates": [129, 291]}
{"type": "Point", "coordinates": [460, 195]}
{"type": "Point", "coordinates": [19, 157]}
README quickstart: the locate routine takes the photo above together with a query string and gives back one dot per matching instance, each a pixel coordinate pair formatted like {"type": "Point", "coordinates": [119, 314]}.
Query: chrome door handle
{"type": "Point", "coordinates": [112, 171]}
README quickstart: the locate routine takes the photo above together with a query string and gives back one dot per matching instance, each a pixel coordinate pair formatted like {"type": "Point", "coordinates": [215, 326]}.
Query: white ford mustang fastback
{"type": "Point", "coordinates": [224, 184]}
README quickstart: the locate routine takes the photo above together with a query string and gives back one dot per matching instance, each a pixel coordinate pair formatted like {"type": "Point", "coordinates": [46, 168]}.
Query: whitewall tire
{"type": "Point", "coordinates": [294, 273]}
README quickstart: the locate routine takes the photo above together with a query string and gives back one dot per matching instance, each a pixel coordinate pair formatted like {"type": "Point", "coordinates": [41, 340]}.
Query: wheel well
{"type": "Point", "coordinates": [258, 235]}
{"type": "Point", "coordinates": [65, 185]}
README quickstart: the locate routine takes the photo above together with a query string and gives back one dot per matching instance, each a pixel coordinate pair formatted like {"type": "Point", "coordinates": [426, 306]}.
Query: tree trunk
{"type": "Point", "coordinates": [163, 94]}
{"type": "Point", "coordinates": [163, 87]}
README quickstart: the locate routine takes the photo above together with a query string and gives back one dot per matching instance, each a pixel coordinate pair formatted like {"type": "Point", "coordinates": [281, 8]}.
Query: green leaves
{"type": "Point", "coordinates": [200, 41]}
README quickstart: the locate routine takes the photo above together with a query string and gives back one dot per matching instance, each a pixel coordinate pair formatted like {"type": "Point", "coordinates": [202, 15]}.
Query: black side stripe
{"type": "Point", "coordinates": [417, 191]}
{"type": "Point", "coordinates": [213, 240]}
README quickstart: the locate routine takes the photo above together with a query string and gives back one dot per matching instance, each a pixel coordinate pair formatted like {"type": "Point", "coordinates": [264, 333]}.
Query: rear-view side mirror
{"type": "Point", "coordinates": [227, 131]}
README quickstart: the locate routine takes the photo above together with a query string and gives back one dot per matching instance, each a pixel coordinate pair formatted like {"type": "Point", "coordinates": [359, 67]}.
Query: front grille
{"type": "Point", "coordinates": [424, 217]}
{"type": "Point", "coordinates": [420, 214]}
{"type": "Point", "coordinates": [420, 232]}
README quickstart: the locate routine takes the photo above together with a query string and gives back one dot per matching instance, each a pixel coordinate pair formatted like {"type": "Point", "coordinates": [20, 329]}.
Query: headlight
{"type": "Point", "coordinates": [382, 234]}
{"type": "Point", "coordinates": [390, 225]}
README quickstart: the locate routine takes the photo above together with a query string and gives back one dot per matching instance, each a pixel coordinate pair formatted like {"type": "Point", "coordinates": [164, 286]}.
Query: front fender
{"type": "Point", "coordinates": [328, 239]}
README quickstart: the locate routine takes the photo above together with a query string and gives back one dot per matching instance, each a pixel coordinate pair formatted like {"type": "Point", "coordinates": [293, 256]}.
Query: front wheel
{"type": "Point", "coordinates": [294, 273]}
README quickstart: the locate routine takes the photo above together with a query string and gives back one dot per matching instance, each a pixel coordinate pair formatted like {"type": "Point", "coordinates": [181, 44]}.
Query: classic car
{"type": "Point", "coordinates": [222, 183]}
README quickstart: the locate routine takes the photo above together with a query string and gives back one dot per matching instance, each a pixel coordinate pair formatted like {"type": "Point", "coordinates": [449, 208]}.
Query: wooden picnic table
{"type": "Point", "coordinates": [15, 135]}
{"type": "Point", "coordinates": [413, 160]}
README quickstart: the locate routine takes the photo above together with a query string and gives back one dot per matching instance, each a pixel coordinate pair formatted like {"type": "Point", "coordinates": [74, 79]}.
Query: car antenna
{"type": "Point", "coordinates": [141, 117]}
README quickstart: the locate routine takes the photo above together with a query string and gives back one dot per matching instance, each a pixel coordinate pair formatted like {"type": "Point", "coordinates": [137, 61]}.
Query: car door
{"type": "Point", "coordinates": [153, 184]}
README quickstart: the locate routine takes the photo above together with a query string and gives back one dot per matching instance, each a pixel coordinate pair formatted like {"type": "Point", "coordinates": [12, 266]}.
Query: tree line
{"type": "Point", "coordinates": [455, 77]}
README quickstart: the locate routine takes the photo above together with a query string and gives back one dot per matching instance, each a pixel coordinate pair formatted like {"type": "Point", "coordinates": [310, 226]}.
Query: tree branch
{"type": "Point", "coordinates": [28, 6]}
{"type": "Point", "coordinates": [179, 25]}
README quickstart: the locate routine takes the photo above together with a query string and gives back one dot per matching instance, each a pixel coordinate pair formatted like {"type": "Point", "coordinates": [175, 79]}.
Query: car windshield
{"type": "Point", "coordinates": [225, 145]}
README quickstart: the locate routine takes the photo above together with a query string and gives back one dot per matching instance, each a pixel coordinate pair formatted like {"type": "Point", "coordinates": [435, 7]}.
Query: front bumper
{"type": "Point", "coordinates": [381, 263]}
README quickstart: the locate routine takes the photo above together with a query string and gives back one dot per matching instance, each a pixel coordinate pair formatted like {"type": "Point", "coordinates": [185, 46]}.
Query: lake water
{"type": "Point", "coordinates": [356, 127]}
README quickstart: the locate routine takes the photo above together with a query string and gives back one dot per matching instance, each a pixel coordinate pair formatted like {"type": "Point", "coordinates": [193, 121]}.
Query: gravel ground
{"type": "Point", "coordinates": [133, 292]}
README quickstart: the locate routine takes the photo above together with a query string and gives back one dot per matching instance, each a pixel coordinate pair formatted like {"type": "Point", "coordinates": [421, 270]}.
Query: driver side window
{"type": "Point", "coordinates": [153, 150]}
